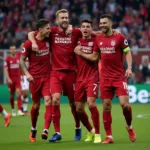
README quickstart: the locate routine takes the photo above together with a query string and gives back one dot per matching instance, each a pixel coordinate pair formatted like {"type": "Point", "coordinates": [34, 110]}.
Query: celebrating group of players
{"type": "Point", "coordinates": [65, 59]}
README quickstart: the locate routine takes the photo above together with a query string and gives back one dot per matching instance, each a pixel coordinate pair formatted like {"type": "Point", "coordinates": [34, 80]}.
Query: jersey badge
{"type": "Point", "coordinates": [113, 43]}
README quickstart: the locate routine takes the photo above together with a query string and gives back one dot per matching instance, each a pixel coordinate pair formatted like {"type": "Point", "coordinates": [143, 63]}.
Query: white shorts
{"type": "Point", "coordinates": [24, 83]}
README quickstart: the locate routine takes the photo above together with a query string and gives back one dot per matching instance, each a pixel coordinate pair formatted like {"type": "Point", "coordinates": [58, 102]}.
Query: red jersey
{"type": "Point", "coordinates": [111, 54]}
{"type": "Point", "coordinates": [13, 67]}
{"type": "Point", "coordinates": [39, 61]}
{"type": "Point", "coordinates": [26, 62]}
{"type": "Point", "coordinates": [63, 56]}
{"type": "Point", "coordinates": [86, 69]}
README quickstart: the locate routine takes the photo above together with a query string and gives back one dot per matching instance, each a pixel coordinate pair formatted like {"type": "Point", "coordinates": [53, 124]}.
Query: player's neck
{"type": "Point", "coordinates": [62, 30]}
{"type": "Point", "coordinates": [12, 55]}
{"type": "Point", "coordinates": [86, 37]}
{"type": "Point", "coordinates": [109, 33]}
{"type": "Point", "coordinates": [39, 37]}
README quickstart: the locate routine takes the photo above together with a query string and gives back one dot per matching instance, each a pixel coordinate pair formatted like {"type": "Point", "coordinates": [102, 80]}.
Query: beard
{"type": "Point", "coordinates": [64, 26]}
{"type": "Point", "coordinates": [105, 30]}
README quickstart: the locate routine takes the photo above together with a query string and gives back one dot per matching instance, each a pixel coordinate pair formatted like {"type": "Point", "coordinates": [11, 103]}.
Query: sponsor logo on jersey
{"type": "Point", "coordinates": [125, 42]}
{"type": "Point", "coordinates": [113, 43]}
{"type": "Point", "coordinates": [107, 50]}
{"type": "Point", "coordinates": [63, 40]}
{"type": "Point", "coordinates": [87, 49]}
{"type": "Point", "coordinates": [42, 52]}
{"type": "Point", "coordinates": [14, 66]}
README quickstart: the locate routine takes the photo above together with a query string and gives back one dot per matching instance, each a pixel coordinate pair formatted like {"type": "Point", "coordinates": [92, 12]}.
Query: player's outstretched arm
{"type": "Point", "coordinates": [92, 57]}
{"type": "Point", "coordinates": [129, 63]}
{"type": "Point", "coordinates": [24, 68]}
{"type": "Point", "coordinates": [31, 37]}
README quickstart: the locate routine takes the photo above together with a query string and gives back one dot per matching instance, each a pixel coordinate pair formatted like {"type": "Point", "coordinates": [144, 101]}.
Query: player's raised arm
{"type": "Point", "coordinates": [129, 63]}
{"type": "Point", "coordinates": [31, 37]}
{"type": "Point", "coordinates": [92, 57]}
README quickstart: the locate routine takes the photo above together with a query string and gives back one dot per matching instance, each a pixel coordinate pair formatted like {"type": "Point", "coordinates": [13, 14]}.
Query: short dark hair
{"type": "Point", "coordinates": [106, 16]}
{"type": "Point", "coordinates": [87, 21]}
{"type": "Point", "coordinates": [41, 23]}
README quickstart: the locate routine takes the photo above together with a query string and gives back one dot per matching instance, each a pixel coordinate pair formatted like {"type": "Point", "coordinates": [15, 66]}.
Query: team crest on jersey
{"type": "Point", "coordinates": [23, 50]}
{"type": "Point", "coordinates": [47, 44]}
{"type": "Point", "coordinates": [125, 42]}
{"type": "Point", "coordinates": [90, 44]}
{"type": "Point", "coordinates": [113, 43]}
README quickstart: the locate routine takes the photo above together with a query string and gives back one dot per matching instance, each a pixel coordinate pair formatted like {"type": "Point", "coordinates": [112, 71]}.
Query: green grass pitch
{"type": "Point", "coordinates": [16, 136]}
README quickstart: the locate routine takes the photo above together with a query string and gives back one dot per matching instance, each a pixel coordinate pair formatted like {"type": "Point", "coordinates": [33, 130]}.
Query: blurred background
{"type": "Point", "coordinates": [131, 17]}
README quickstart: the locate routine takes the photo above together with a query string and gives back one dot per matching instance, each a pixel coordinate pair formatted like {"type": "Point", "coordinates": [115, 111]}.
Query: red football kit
{"type": "Point", "coordinates": [112, 70]}
{"type": "Point", "coordinates": [87, 73]}
{"type": "Point", "coordinates": [63, 73]}
{"type": "Point", "coordinates": [14, 72]}
{"type": "Point", "coordinates": [39, 68]}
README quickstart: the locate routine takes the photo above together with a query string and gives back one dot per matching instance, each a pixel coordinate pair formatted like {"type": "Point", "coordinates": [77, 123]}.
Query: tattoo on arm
{"type": "Point", "coordinates": [23, 64]}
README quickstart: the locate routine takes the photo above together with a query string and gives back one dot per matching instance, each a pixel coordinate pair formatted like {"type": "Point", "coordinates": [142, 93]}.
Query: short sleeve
{"type": "Point", "coordinates": [124, 43]}
{"type": "Point", "coordinates": [26, 48]}
{"type": "Point", "coordinates": [6, 62]}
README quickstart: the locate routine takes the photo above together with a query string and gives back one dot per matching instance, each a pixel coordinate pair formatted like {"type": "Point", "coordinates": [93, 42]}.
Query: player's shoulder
{"type": "Point", "coordinates": [100, 36]}
{"type": "Point", "coordinates": [76, 30]}
{"type": "Point", "coordinates": [119, 35]}
{"type": "Point", "coordinates": [7, 58]}
{"type": "Point", "coordinates": [54, 29]}
{"type": "Point", "coordinates": [27, 43]}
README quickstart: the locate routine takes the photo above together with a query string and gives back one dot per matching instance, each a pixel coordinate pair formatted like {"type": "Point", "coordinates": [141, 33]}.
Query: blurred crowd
{"type": "Point", "coordinates": [131, 17]}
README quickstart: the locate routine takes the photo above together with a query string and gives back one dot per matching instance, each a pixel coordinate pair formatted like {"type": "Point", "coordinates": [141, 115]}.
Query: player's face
{"type": "Point", "coordinates": [63, 20]}
{"type": "Point", "coordinates": [45, 31]}
{"type": "Point", "coordinates": [86, 29]}
{"type": "Point", "coordinates": [12, 50]}
{"type": "Point", "coordinates": [105, 25]}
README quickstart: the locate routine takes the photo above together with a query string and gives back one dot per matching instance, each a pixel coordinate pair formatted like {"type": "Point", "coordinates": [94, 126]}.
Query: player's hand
{"type": "Point", "coordinates": [34, 47]}
{"type": "Point", "coordinates": [115, 31]}
{"type": "Point", "coordinates": [77, 50]}
{"type": "Point", "coordinates": [9, 81]}
{"type": "Point", "coordinates": [29, 77]}
{"type": "Point", "coordinates": [128, 73]}
{"type": "Point", "coordinates": [69, 30]}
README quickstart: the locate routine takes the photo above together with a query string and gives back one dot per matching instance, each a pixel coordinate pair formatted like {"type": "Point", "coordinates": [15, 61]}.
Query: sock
{"type": "Point", "coordinates": [76, 117]}
{"type": "Point", "coordinates": [128, 116]}
{"type": "Point", "coordinates": [95, 118]}
{"type": "Point", "coordinates": [11, 99]}
{"type": "Point", "coordinates": [1, 108]}
{"type": "Point", "coordinates": [56, 117]}
{"type": "Point", "coordinates": [19, 102]}
{"type": "Point", "coordinates": [85, 120]}
{"type": "Point", "coordinates": [107, 120]}
{"type": "Point", "coordinates": [25, 104]}
{"type": "Point", "coordinates": [34, 116]}
{"type": "Point", "coordinates": [48, 117]}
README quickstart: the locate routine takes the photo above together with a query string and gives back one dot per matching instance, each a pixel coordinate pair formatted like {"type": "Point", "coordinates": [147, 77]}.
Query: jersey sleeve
{"type": "Point", "coordinates": [26, 48]}
{"type": "Point", "coordinates": [6, 62]}
{"type": "Point", "coordinates": [96, 48]}
{"type": "Point", "coordinates": [124, 44]}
